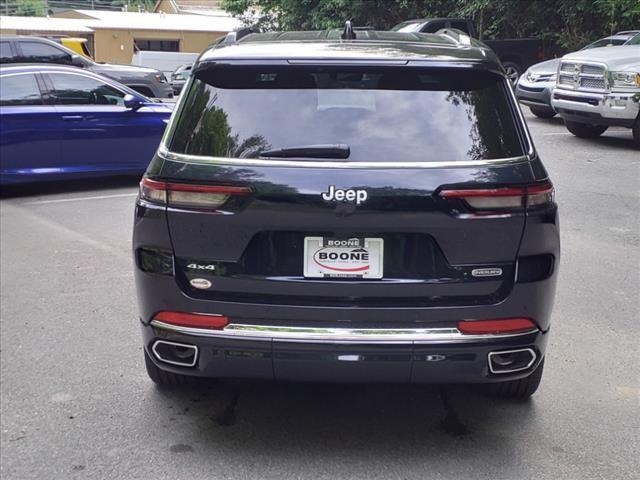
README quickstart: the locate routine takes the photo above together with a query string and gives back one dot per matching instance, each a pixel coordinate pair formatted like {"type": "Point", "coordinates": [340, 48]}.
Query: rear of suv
{"type": "Point", "coordinates": [364, 207]}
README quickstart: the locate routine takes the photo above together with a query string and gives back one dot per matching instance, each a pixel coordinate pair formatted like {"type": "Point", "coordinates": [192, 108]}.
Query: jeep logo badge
{"type": "Point", "coordinates": [338, 195]}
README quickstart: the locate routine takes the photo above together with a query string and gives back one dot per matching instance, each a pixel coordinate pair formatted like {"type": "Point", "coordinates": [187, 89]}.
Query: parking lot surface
{"type": "Point", "coordinates": [76, 401]}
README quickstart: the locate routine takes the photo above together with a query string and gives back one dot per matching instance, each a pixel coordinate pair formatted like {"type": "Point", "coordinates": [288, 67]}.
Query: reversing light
{"type": "Point", "coordinates": [194, 320]}
{"type": "Point", "coordinates": [188, 195]}
{"type": "Point", "coordinates": [496, 327]}
{"type": "Point", "coordinates": [502, 198]}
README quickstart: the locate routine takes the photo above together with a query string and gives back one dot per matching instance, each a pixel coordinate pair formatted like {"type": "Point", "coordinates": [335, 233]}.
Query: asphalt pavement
{"type": "Point", "coordinates": [76, 401]}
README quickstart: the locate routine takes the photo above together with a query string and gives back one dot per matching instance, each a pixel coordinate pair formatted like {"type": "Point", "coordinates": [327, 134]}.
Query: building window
{"type": "Point", "coordinates": [158, 45]}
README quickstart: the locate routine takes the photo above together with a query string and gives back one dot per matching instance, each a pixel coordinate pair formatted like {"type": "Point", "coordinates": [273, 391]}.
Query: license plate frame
{"type": "Point", "coordinates": [364, 257]}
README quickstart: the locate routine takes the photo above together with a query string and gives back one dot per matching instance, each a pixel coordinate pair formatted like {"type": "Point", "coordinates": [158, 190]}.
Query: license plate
{"type": "Point", "coordinates": [343, 257]}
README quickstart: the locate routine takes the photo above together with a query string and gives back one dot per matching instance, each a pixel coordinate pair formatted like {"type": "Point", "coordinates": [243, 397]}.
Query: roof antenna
{"type": "Point", "coordinates": [348, 33]}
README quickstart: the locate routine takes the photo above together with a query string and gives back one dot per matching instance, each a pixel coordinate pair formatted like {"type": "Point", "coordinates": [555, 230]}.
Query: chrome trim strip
{"type": "Point", "coordinates": [335, 335]}
{"type": "Point", "coordinates": [175, 344]}
{"type": "Point", "coordinates": [530, 350]}
{"type": "Point", "coordinates": [200, 159]}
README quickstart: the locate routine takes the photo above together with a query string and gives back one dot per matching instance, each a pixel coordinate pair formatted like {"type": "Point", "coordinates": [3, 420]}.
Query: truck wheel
{"type": "Point", "coordinates": [542, 112]}
{"type": "Point", "coordinates": [636, 132]}
{"type": "Point", "coordinates": [584, 130]}
{"type": "Point", "coordinates": [160, 377]}
{"type": "Point", "coordinates": [519, 389]}
{"type": "Point", "coordinates": [513, 71]}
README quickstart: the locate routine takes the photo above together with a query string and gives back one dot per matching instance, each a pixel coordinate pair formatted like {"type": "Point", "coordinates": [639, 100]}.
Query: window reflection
{"type": "Point", "coordinates": [387, 115]}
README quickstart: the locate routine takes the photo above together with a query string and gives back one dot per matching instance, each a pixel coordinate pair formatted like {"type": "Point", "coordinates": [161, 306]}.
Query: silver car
{"type": "Point", "coordinates": [535, 86]}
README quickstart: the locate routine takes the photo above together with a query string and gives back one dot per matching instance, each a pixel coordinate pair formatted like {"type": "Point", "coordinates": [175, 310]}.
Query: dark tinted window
{"type": "Point", "coordinates": [158, 45]}
{"type": "Point", "coordinates": [383, 115]}
{"type": "Point", "coordinates": [71, 89]}
{"type": "Point", "coordinates": [410, 27]}
{"type": "Point", "coordinates": [43, 52]}
{"type": "Point", "coordinates": [5, 52]}
{"type": "Point", "coordinates": [433, 27]}
{"type": "Point", "coordinates": [460, 25]}
{"type": "Point", "coordinates": [19, 90]}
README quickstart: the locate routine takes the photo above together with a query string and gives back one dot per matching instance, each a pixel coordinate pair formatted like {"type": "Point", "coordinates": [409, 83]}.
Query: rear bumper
{"type": "Point", "coordinates": [275, 357]}
{"type": "Point", "coordinates": [612, 109]}
{"type": "Point", "coordinates": [344, 344]}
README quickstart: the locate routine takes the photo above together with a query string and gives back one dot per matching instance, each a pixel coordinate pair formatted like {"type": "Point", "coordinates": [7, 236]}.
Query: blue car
{"type": "Point", "coordinates": [59, 122]}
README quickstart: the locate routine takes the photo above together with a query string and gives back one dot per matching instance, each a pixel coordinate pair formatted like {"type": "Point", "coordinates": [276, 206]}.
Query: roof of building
{"type": "Point", "coordinates": [196, 7]}
{"type": "Point", "coordinates": [44, 24]}
{"type": "Point", "coordinates": [101, 19]}
{"type": "Point", "coordinates": [368, 45]}
{"type": "Point", "coordinates": [163, 21]}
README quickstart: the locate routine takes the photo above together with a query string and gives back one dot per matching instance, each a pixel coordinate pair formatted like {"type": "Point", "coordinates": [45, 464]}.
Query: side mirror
{"type": "Point", "coordinates": [132, 102]}
{"type": "Point", "coordinates": [77, 61]}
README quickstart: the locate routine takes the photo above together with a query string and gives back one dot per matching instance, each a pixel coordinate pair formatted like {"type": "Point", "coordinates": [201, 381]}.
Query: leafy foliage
{"type": "Point", "coordinates": [569, 24]}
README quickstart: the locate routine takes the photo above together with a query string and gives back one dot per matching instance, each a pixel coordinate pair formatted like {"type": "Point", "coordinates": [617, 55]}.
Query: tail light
{"type": "Point", "coordinates": [501, 326]}
{"type": "Point", "coordinates": [509, 198]}
{"type": "Point", "coordinates": [188, 195]}
{"type": "Point", "coordinates": [194, 320]}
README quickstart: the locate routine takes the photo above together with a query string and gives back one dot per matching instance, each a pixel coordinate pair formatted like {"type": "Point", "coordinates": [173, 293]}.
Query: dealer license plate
{"type": "Point", "coordinates": [326, 257]}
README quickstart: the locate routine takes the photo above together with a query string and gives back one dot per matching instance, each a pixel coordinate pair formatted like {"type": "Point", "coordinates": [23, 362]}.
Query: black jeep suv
{"type": "Point", "coordinates": [362, 206]}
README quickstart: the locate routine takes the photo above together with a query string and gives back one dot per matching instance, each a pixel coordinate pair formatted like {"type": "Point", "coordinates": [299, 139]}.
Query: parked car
{"type": "Point", "coordinates": [166, 62]}
{"type": "Point", "coordinates": [61, 122]}
{"type": "Point", "coordinates": [26, 49]}
{"type": "Point", "coordinates": [340, 207]}
{"type": "Point", "coordinates": [516, 55]}
{"type": "Point", "coordinates": [179, 77]}
{"type": "Point", "coordinates": [599, 88]}
{"type": "Point", "coordinates": [534, 88]}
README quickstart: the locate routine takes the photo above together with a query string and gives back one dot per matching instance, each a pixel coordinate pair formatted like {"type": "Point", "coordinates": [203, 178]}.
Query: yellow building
{"type": "Point", "coordinates": [113, 36]}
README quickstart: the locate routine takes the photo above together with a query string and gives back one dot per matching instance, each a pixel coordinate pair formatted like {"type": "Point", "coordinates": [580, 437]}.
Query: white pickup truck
{"type": "Point", "coordinates": [599, 88]}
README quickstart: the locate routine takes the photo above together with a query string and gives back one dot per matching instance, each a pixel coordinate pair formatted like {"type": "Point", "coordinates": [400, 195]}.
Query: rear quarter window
{"type": "Point", "coordinates": [418, 115]}
{"type": "Point", "coordinates": [19, 90]}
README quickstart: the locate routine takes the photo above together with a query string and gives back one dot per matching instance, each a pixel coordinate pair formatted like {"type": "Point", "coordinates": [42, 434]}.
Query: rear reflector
{"type": "Point", "coordinates": [194, 320]}
{"type": "Point", "coordinates": [187, 195]}
{"type": "Point", "coordinates": [501, 326]}
{"type": "Point", "coordinates": [503, 198]}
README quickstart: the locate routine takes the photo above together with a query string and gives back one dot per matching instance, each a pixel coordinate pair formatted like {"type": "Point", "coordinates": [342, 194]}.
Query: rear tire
{"type": "Point", "coordinates": [542, 112]}
{"type": "Point", "coordinates": [636, 132]}
{"type": "Point", "coordinates": [161, 377]}
{"type": "Point", "coordinates": [584, 130]}
{"type": "Point", "coordinates": [518, 389]}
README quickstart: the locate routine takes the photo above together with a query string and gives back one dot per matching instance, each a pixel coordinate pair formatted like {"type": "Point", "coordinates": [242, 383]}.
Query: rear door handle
{"type": "Point", "coordinates": [72, 118]}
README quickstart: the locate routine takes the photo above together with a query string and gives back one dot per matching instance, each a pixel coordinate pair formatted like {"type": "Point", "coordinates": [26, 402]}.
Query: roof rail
{"type": "Point", "coordinates": [348, 33]}
{"type": "Point", "coordinates": [458, 36]}
{"type": "Point", "coordinates": [235, 36]}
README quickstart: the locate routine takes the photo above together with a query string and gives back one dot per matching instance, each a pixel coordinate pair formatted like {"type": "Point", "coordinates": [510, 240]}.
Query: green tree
{"type": "Point", "coordinates": [569, 24]}
{"type": "Point", "coordinates": [28, 8]}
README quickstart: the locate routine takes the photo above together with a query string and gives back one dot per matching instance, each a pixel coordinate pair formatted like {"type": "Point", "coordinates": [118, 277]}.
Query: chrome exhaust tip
{"type": "Point", "coordinates": [510, 361]}
{"type": "Point", "coordinates": [181, 354]}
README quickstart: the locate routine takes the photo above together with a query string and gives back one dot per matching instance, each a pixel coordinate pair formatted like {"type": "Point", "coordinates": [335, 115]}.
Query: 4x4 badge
{"type": "Point", "coordinates": [351, 195]}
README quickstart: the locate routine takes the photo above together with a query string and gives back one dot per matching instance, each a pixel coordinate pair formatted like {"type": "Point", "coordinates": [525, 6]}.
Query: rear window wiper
{"type": "Point", "coordinates": [339, 150]}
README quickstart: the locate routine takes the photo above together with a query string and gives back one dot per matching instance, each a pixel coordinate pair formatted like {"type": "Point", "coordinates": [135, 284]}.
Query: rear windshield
{"type": "Point", "coordinates": [385, 115]}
